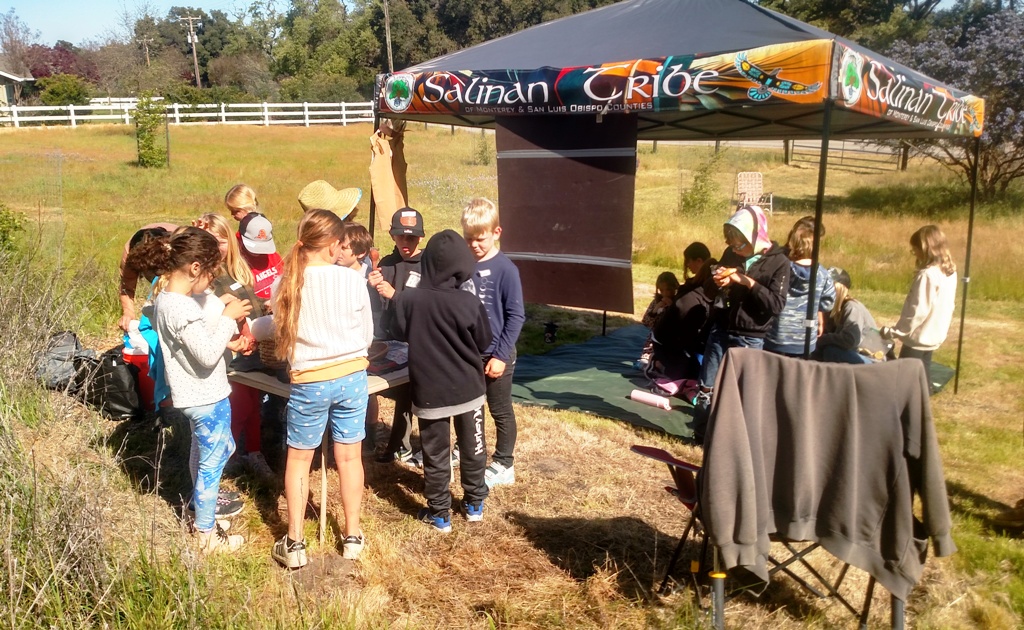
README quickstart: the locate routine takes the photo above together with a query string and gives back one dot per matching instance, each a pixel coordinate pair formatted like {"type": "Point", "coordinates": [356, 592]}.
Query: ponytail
{"type": "Point", "coordinates": [317, 229]}
{"type": "Point", "coordinates": [165, 254]}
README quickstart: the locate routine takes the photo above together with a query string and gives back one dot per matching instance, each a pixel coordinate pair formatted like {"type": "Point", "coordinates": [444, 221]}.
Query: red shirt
{"type": "Point", "coordinates": [265, 268]}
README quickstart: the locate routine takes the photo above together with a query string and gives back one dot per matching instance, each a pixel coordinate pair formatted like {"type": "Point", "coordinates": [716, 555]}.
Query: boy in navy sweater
{"type": "Point", "coordinates": [496, 283]}
{"type": "Point", "coordinates": [447, 331]}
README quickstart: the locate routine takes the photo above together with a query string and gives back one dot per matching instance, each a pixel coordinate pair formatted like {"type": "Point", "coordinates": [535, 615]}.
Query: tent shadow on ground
{"type": "Point", "coordinates": [582, 546]}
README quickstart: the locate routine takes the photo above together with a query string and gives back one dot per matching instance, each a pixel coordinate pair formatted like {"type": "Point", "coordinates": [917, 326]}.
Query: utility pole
{"type": "Point", "coordinates": [192, 39]}
{"type": "Point", "coordinates": [146, 41]}
{"type": "Point", "coordinates": [387, 36]}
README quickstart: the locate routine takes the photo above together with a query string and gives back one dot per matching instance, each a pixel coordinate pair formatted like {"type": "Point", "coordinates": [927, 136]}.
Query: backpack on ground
{"type": "Point", "coordinates": [109, 384]}
{"type": "Point", "coordinates": [56, 367]}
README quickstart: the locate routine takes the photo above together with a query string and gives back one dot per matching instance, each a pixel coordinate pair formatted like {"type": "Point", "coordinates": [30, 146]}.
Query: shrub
{"type": "Point", "coordinates": [482, 152]}
{"type": "Point", "coordinates": [64, 89]}
{"type": "Point", "coordinates": [704, 196]}
{"type": "Point", "coordinates": [11, 223]}
{"type": "Point", "coordinates": [149, 118]}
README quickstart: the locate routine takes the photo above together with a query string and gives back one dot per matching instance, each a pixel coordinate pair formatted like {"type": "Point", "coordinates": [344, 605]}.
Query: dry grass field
{"type": "Point", "coordinates": [584, 536]}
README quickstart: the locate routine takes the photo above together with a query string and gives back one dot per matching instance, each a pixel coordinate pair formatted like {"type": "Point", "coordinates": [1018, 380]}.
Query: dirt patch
{"type": "Point", "coordinates": [325, 573]}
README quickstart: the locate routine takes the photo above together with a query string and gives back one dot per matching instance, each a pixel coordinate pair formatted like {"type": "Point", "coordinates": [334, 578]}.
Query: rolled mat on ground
{"type": "Point", "coordinates": [597, 377]}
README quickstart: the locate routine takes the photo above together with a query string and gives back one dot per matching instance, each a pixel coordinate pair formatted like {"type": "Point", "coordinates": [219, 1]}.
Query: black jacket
{"type": "Point", "coordinates": [447, 331]}
{"type": "Point", "coordinates": [750, 311]}
{"type": "Point", "coordinates": [396, 272]}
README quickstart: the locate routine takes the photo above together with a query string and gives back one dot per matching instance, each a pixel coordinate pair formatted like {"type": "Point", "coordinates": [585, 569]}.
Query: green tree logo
{"type": "Point", "coordinates": [398, 91]}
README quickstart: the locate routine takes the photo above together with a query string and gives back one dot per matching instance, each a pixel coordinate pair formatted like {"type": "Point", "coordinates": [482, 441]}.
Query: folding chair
{"type": "Point", "coordinates": [750, 191]}
{"type": "Point", "coordinates": [685, 489]}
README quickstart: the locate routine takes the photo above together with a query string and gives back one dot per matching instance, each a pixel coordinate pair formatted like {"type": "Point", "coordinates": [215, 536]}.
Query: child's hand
{"type": "Point", "coordinates": [237, 309]}
{"type": "Point", "coordinates": [238, 343]}
{"type": "Point", "coordinates": [385, 289]}
{"type": "Point", "coordinates": [201, 224]}
{"type": "Point", "coordinates": [495, 368]}
{"type": "Point", "coordinates": [724, 276]}
{"type": "Point", "coordinates": [227, 298]}
{"type": "Point", "coordinates": [375, 278]}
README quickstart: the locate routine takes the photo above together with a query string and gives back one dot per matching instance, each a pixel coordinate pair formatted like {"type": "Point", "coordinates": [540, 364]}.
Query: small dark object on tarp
{"type": "Point", "coordinates": [550, 332]}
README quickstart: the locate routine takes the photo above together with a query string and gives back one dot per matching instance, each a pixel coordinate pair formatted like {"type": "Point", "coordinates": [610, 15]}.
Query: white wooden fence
{"type": "Point", "coordinates": [265, 114]}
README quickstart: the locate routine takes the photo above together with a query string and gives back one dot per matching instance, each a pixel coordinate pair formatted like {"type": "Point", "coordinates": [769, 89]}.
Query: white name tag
{"type": "Point", "coordinates": [484, 273]}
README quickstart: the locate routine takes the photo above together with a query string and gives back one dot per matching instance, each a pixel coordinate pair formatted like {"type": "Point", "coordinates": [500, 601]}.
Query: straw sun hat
{"type": "Point", "coordinates": [323, 196]}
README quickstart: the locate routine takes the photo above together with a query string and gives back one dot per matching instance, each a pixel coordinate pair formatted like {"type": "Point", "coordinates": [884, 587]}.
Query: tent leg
{"type": "Point", "coordinates": [967, 263]}
{"type": "Point", "coordinates": [812, 305]}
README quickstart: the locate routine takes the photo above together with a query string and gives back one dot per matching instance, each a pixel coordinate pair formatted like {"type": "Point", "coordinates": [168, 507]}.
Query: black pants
{"type": "Point", "coordinates": [926, 358]}
{"type": "Point", "coordinates": [401, 424]}
{"type": "Point", "coordinates": [499, 403]}
{"type": "Point", "coordinates": [435, 438]}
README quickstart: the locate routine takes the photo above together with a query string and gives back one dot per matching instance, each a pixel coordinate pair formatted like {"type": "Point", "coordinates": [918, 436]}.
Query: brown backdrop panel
{"type": "Point", "coordinates": [574, 284]}
{"type": "Point", "coordinates": [566, 187]}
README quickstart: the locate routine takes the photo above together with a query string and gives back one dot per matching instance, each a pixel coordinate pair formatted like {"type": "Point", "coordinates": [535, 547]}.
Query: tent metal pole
{"type": "Point", "coordinates": [812, 304]}
{"type": "Point", "coordinates": [967, 263]}
{"type": "Point", "coordinates": [373, 205]}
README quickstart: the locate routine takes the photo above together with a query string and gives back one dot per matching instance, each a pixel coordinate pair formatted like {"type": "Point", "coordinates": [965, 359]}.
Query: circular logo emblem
{"type": "Point", "coordinates": [398, 91]}
{"type": "Point", "coordinates": [851, 81]}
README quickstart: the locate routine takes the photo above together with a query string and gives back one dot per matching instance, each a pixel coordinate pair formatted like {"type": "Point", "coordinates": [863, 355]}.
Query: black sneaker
{"type": "Point", "coordinates": [226, 508]}
{"type": "Point", "coordinates": [402, 455]}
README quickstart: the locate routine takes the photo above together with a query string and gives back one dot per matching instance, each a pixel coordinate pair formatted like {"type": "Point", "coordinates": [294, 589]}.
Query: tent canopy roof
{"type": "Point", "coordinates": [681, 29]}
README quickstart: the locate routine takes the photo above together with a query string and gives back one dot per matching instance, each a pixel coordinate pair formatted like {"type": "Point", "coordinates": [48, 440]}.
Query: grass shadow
{"type": "Point", "coordinates": [153, 454]}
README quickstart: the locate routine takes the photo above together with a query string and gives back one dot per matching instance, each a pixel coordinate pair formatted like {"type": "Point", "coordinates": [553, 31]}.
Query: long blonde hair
{"type": "Point", "coordinates": [234, 265]}
{"type": "Point", "coordinates": [930, 248]}
{"type": "Point", "coordinates": [842, 297]}
{"type": "Point", "coordinates": [317, 229]}
{"type": "Point", "coordinates": [241, 197]}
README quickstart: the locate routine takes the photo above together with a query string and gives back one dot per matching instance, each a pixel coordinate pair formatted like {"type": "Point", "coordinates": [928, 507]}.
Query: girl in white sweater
{"type": "Point", "coordinates": [928, 309]}
{"type": "Point", "coordinates": [195, 328]}
{"type": "Point", "coordinates": [322, 327]}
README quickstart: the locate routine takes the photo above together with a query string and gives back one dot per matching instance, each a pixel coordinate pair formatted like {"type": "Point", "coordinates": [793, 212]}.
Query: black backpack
{"type": "Point", "coordinates": [109, 384]}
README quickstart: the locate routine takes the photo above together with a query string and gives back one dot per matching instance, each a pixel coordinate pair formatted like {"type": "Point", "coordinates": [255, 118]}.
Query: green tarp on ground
{"type": "Point", "coordinates": [596, 377]}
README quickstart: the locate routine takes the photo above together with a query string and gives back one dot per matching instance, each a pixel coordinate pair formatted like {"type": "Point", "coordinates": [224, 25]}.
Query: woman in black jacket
{"type": "Point", "coordinates": [752, 283]}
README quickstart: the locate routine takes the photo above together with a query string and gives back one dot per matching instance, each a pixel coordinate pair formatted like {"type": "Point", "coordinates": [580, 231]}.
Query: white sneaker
{"type": "Point", "coordinates": [352, 546]}
{"type": "Point", "coordinates": [218, 541]}
{"type": "Point", "coordinates": [497, 474]}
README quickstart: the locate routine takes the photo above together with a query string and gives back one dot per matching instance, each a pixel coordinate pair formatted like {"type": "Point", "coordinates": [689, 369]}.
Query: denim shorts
{"type": "Point", "coordinates": [342, 400]}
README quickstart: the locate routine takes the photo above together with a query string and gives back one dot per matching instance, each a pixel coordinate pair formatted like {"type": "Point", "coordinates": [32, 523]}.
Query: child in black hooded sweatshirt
{"type": "Point", "coordinates": [447, 331]}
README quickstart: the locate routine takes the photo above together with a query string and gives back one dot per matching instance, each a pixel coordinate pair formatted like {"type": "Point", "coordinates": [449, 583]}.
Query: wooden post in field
{"type": "Point", "coordinates": [787, 151]}
{"type": "Point", "coordinates": [14, 115]}
{"type": "Point", "coordinates": [904, 155]}
{"type": "Point", "coordinates": [127, 116]}
{"type": "Point", "coordinates": [223, 118]}
{"type": "Point", "coordinates": [344, 116]}
{"type": "Point", "coordinates": [654, 147]}
{"type": "Point", "coordinates": [177, 115]}
{"type": "Point", "coordinates": [305, 113]}
{"type": "Point", "coordinates": [266, 115]}
{"type": "Point", "coordinates": [71, 115]}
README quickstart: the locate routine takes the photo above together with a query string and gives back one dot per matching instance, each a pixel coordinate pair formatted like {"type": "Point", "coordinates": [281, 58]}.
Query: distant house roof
{"type": "Point", "coordinates": [5, 72]}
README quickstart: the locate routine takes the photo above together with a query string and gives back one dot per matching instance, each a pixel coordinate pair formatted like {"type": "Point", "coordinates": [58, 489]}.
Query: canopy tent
{"type": "Point", "coordinates": [680, 70]}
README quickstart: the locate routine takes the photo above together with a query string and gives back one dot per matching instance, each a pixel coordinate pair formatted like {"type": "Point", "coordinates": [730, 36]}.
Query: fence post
{"type": "Point", "coordinates": [14, 115]}
{"type": "Point", "coordinates": [904, 156]}
{"type": "Point", "coordinates": [71, 114]}
{"type": "Point", "coordinates": [266, 115]}
{"type": "Point", "coordinates": [344, 117]}
{"type": "Point", "coordinates": [787, 151]}
{"type": "Point", "coordinates": [223, 118]}
{"type": "Point", "coordinates": [127, 118]}
{"type": "Point", "coordinates": [177, 115]}
{"type": "Point", "coordinates": [305, 113]}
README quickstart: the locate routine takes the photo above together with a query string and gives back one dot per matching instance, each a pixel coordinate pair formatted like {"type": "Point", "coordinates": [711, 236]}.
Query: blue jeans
{"type": "Point", "coordinates": [718, 342]}
{"type": "Point", "coordinates": [341, 400]}
{"type": "Point", "coordinates": [211, 429]}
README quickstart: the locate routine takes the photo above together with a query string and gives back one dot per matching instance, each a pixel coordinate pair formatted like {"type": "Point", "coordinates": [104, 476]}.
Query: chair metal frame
{"type": "Point", "coordinates": [684, 475]}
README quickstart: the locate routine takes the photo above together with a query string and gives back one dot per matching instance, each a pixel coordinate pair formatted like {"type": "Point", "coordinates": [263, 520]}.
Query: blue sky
{"type": "Point", "coordinates": [78, 21]}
